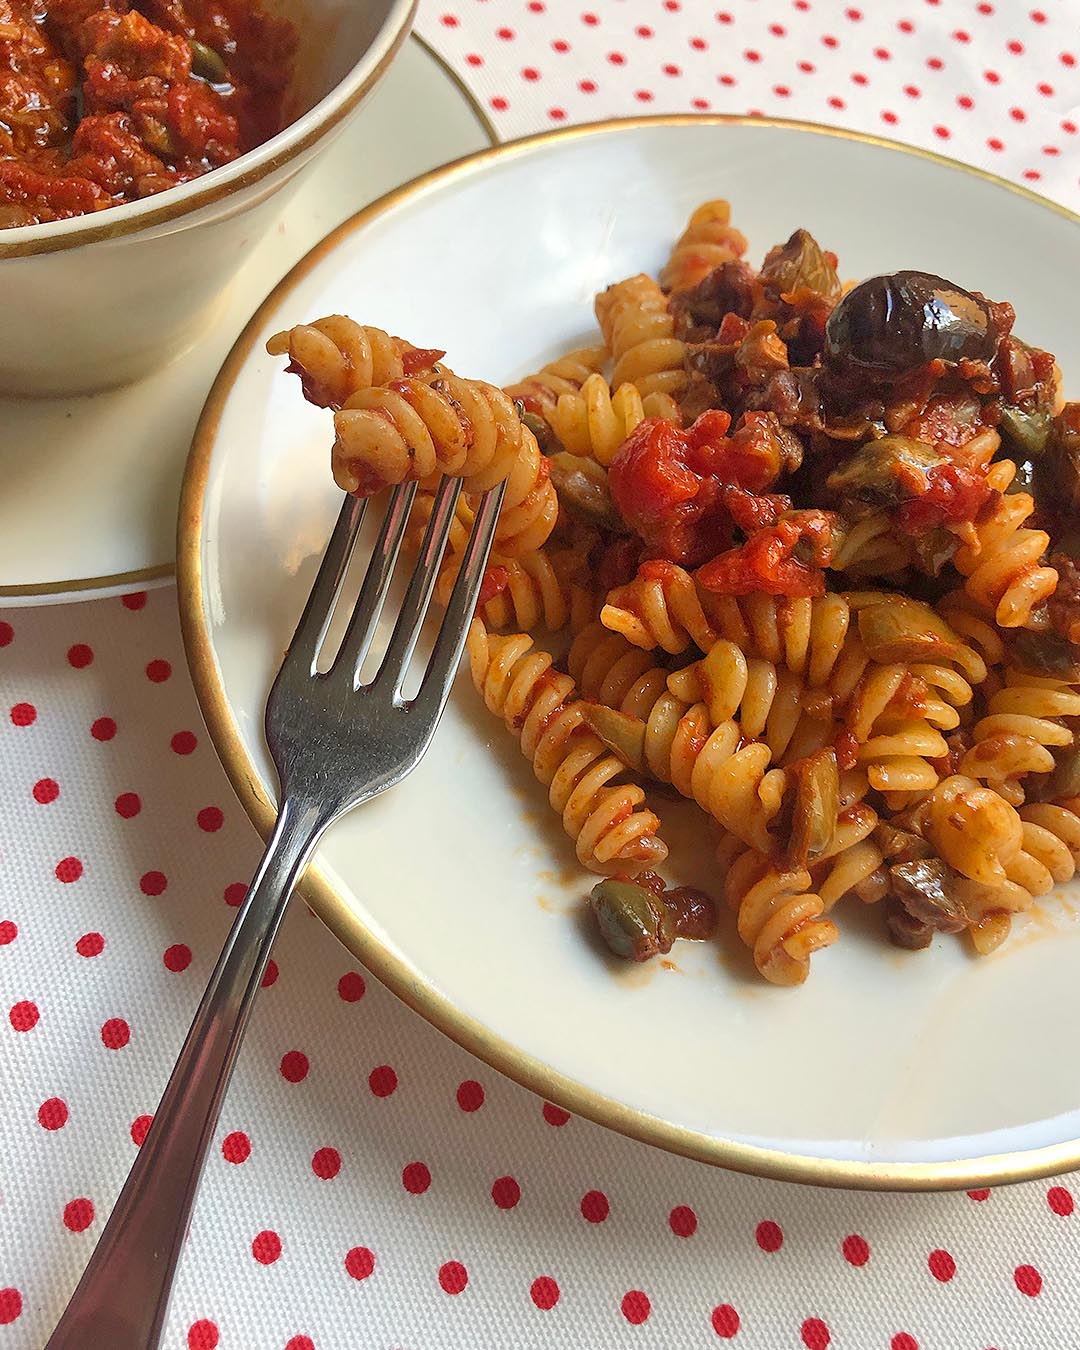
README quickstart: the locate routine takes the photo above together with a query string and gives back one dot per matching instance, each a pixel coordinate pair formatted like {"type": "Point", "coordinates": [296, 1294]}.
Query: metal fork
{"type": "Point", "coordinates": [335, 743]}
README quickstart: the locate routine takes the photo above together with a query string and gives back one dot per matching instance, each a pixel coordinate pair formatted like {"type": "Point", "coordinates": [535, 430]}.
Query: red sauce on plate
{"type": "Point", "coordinates": [102, 103]}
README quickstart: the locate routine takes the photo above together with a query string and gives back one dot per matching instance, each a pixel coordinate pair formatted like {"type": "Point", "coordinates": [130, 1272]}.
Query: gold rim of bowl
{"type": "Point", "coordinates": [335, 911]}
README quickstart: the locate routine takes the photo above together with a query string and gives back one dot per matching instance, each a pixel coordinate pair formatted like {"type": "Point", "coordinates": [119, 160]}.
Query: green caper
{"type": "Point", "coordinates": [1027, 431]}
{"type": "Point", "coordinates": [632, 920]}
{"type": "Point", "coordinates": [207, 64]}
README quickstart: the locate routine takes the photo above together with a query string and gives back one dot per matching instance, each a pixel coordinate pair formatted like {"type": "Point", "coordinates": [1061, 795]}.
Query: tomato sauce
{"type": "Point", "coordinates": [102, 103]}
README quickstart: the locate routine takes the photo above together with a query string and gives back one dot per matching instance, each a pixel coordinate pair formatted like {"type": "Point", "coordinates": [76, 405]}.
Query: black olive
{"type": "Point", "coordinates": [891, 324]}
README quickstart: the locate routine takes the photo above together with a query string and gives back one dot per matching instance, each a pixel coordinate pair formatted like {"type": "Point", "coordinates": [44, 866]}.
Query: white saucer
{"type": "Point", "coordinates": [91, 484]}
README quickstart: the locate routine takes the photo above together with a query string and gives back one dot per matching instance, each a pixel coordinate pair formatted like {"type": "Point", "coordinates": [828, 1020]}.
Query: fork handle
{"type": "Point", "coordinates": [120, 1302]}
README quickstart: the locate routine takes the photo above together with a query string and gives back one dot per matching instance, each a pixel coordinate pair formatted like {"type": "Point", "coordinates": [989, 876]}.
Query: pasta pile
{"type": "Point", "coordinates": [800, 553]}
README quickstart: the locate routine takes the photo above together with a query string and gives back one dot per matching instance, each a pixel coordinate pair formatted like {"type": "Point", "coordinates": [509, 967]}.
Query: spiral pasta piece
{"type": "Point", "coordinates": [973, 829]}
{"type": "Point", "coordinates": [336, 357]}
{"type": "Point", "coordinates": [612, 828]}
{"type": "Point", "coordinates": [638, 327]}
{"type": "Point", "coordinates": [779, 916]}
{"type": "Point", "coordinates": [708, 241]}
{"type": "Point", "coordinates": [1002, 564]}
{"type": "Point", "coordinates": [872, 547]}
{"type": "Point", "coordinates": [539, 590]}
{"type": "Point", "coordinates": [852, 863]}
{"type": "Point", "coordinates": [1024, 723]}
{"type": "Point", "coordinates": [595, 422]}
{"type": "Point", "coordinates": [895, 736]}
{"type": "Point", "coordinates": [410, 430]}
{"type": "Point", "coordinates": [565, 375]}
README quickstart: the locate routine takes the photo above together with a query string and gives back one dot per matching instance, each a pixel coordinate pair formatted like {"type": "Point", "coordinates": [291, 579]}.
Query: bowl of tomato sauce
{"type": "Point", "coordinates": [144, 145]}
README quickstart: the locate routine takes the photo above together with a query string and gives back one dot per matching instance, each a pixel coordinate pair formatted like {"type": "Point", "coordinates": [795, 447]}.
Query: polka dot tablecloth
{"type": "Point", "coordinates": [369, 1184]}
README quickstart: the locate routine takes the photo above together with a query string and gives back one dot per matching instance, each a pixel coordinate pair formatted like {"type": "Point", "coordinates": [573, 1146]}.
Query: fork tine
{"type": "Point", "coordinates": [421, 585]}
{"type": "Point", "coordinates": [380, 570]}
{"type": "Point", "coordinates": [310, 632]}
{"type": "Point", "coordinates": [446, 655]}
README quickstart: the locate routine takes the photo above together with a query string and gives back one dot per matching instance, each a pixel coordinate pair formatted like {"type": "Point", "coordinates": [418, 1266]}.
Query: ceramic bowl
{"type": "Point", "coordinates": [97, 301]}
{"type": "Point", "coordinates": [458, 887]}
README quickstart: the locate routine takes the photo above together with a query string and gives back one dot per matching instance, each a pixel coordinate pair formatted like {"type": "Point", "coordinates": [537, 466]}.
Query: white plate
{"type": "Point", "coordinates": [91, 484]}
{"type": "Point", "coordinates": [887, 1068]}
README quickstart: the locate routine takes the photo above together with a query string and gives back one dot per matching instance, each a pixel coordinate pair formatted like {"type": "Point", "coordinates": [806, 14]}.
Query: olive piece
{"type": "Point", "coordinates": [207, 64]}
{"type": "Point", "coordinates": [890, 324]}
{"type": "Point", "coordinates": [633, 921]}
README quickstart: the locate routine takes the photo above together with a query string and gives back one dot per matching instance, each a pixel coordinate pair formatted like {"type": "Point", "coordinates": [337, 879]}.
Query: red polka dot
{"type": "Point", "coordinates": [505, 1192]}
{"type": "Point", "coordinates": [587, 86]}
{"type": "Point", "coordinates": [856, 1250]}
{"type": "Point", "coordinates": [235, 892]}
{"type": "Point", "coordinates": [912, 91]}
{"type": "Point", "coordinates": [299, 1343]}
{"type": "Point", "coordinates": [725, 1321]}
{"type": "Point", "coordinates": [270, 974]}
{"type": "Point", "coordinates": [829, 41]}
{"type": "Point", "coordinates": [24, 1015]}
{"type": "Point", "coordinates": [140, 1127]}
{"type": "Point", "coordinates": [777, 29]}
{"type": "Point", "coordinates": [128, 804]}
{"type": "Point", "coordinates": [807, 67]}
{"type": "Point", "coordinates": [752, 56]}
{"type": "Point", "coordinates": [1037, 16]}
{"type": "Point", "coordinates": [1015, 47]}
{"type": "Point", "coordinates": [769, 1236]}
{"type": "Point", "coordinates": [683, 1221]}
{"type": "Point", "coordinates": [474, 59]}
{"type": "Point", "coordinates": [995, 144]}
{"type": "Point", "coordinates": [294, 1066]}
{"type": "Point", "coordinates": [859, 78]}
{"type": "Point", "coordinates": [643, 31]}
{"type": "Point", "coordinates": [555, 1115]}
{"type": "Point", "coordinates": [889, 117]}
{"type": "Point", "coordinates": [700, 103]}
{"type": "Point", "coordinates": [781, 91]}
{"type": "Point", "coordinates": [1047, 90]}
{"type": "Point", "coordinates": [506, 34]}
{"type": "Point", "coordinates": [591, 19]}
{"type": "Point", "coordinates": [699, 44]}
{"type": "Point", "coordinates": [23, 714]}
{"type": "Point", "coordinates": [326, 1163]}
{"type": "Point", "coordinates": [942, 1266]}
{"type": "Point", "coordinates": [724, 17]}
{"type": "Point", "coordinates": [1069, 127]}
{"type": "Point", "coordinates": [382, 1080]}
{"type": "Point", "coordinates": [184, 742]}
{"type": "Point", "coordinates": [1018, 114]}
{"type": "Point", "coordinates": [52, 1114]}
{"type": "Point", "coordinates": [935, 63]}
{"type": "Point", "coordinates": [1028, 1280]}
{"type": "Point", "coordinates": [9, 931]}
{"type": "Point", "coordinates": [351, 986]}
{"type": "Point", "coordinates": [115, 1033]}
{"type": "Point", "coordinates": [815, 1334]}
{"type": "Point", "coordinates": [453, 1277]}
{"type": "Point", "coordinates": [1051, 150]}
{"type": "Point", "coordinates": [837, 103]}
{"type": "Point", "coordinates": [1060, 1200]}
{"type": "Point", "coordinates": [177, 957]}
{"type": "Point", "coordinates": [903, 1341]}
{"type": "Point", "coordinates": [210, 819]}
{"type": "Point", "coordinates": [416, 1177]}
{"type": "Point", "coordinates": [1067, 59]}
{"type": "Point", "coordinates": [643, 95]}
{"type": "Point", "coordinates": [153, 883]}
{"type": "Point", "coordinates": [103, 729]}
{"type": "Point", "coordinates": [559, 45]}
{"type": "Point", "coordinates": [854, 15]}
{"type": "Point", "coordinates": [636, 1307]}
{"type": "Point", "coordinates": [984, 8]}
{"type": "Point", "coordinates": [671, 70]}
{"type": "Point", "coordinates": [965, 101]}
{"type": "Point", "coordinates": [359, 1262]}
{"type": "Point", "coordinates": [961, 36]}
{"type": "Point", "coordinates": [202, 1335]}
{"type": "Point", "coordinates": [78, 1214]}
{"type": "Point", "coordinates": [943, 133]}
{"type": "Point", "coordinates": [80, 655]}
{"type": "Point", "coordinates": [450, 20]}
{"type": "Point", "coordinates": [991, 77]}
{"type": "Point", "coordinates": [906, 26]}
{"type": "Point", "coordinates": [594, 1206]}
{"type": "Point", "coordinates": [470, 1095]}
{"type": "Point", "coordinates": [68, 870]}
{"type": "Point", "coordinates": [158, 671]}
{"type": "Point", "coordinates": [266, 1247]}
{"type": "Point", "coordinates": [7, 633]}
{"type": "Point", "coordinates": [10, 1306]}
{"type": "Point", "coordinates": [530, 73]}
{"type": "Point", "coordinates": [46, 790]}
{"type": "Point", "coordinates": [236, 1147]}
{"type": "Point", "coordinates": [90, 944]}
{"type": "Point", "coordinates": [136, 600]}
{"type": "Point", "coordinates": [544, 1292]}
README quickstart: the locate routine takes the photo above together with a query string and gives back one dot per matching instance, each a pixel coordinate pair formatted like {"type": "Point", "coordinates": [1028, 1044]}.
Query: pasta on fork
{"type": "Point", "coordinates": [797, 553]}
